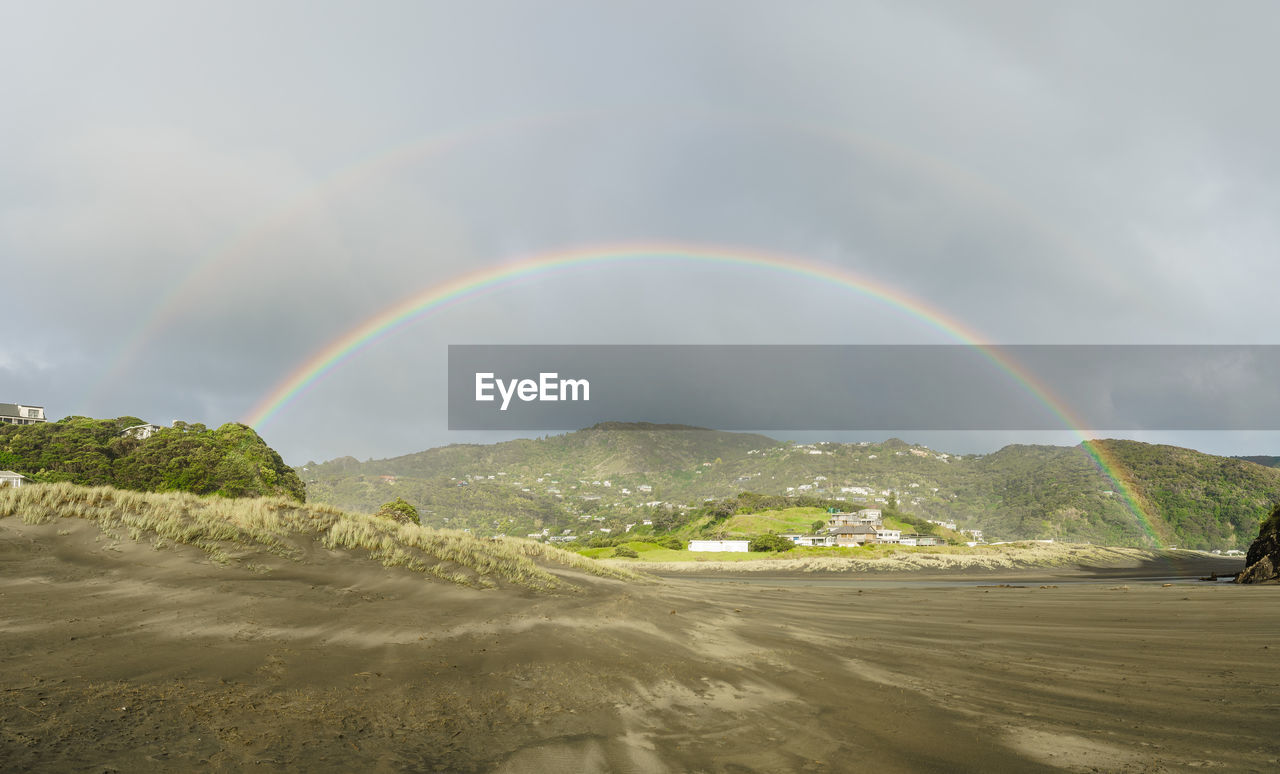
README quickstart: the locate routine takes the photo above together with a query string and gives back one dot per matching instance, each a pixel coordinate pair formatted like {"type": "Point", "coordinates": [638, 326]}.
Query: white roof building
{"type": "Point", "coordinates": [719, 545]}
{"type": "Point", "coordinates": [15, 480]}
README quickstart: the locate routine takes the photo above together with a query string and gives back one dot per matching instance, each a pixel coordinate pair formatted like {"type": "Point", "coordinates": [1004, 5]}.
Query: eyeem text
{"type": "Point", "coordinates": [547, 387]}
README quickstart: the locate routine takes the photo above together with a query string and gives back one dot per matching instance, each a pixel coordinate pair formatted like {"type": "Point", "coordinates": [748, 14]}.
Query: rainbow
{"type": "Point", "coordinates": [351, 178]}
{"type": "Point", "coordinates": [471, 285]}
{"type": "Point", "coordinates": [242, 244]}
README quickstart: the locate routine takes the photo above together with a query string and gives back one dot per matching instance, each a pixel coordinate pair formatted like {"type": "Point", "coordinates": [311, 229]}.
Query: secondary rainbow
{"type": "Point", "coordinates": [473, 284]}
{"type": "Point", "coordinates": [168, 307]}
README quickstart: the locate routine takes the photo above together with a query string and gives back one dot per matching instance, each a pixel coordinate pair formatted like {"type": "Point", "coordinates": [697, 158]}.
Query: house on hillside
{"type": "Point", "coordinates": [142, 432]}
{"type": "Point", "coordinates": [842, 520]}
{"type": "Point", "coordinates": [15, 480]}
{"type": "Point", "coordinates": [18, 414]}
{"type": "Point", "coordinates": [864, 517]}
{"type": "Point", "coordinates": [859, 535]}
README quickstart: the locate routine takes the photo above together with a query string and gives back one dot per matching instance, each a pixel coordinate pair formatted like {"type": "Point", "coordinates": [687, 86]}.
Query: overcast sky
{"type": "Point", "coordinates": [197, 197]}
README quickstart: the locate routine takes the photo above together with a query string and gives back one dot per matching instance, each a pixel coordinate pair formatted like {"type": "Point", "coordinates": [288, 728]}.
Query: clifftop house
{"type": "Point", "coordinates": [18, 414]}
{"type": "Point", "coordinates": [142, 432]}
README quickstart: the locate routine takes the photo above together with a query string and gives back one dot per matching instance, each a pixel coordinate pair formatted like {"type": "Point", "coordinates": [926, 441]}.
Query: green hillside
{"type": "Point", "coordinates": [1198, 500]}
{"type": "Point", "coordinates": [613, 475]}
{"type": "Point", "coordinates": [232, 460]}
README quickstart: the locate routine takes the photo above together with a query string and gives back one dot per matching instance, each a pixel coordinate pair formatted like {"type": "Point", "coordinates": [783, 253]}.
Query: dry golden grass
{"type": "Point", "coordinates": [1015, 556]}
{"type": "Point", "coordinates": [221, 527]}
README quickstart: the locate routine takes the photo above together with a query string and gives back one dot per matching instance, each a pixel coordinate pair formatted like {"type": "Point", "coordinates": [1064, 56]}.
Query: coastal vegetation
{"type": "Point", "coordinates": [399, 511]}
{"type": "Point", "coordinates": [231, 461]}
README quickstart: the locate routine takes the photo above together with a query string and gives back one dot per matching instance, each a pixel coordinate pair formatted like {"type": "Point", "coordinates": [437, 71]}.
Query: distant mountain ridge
{"type": "Point", "coordinates": [614, 474]}
{"type": "Point", "coordinates": [1261, 459]}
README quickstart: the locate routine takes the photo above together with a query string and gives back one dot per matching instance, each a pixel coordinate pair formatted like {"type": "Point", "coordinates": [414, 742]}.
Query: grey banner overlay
{"type": "Point", "coordinates": [875, 387]}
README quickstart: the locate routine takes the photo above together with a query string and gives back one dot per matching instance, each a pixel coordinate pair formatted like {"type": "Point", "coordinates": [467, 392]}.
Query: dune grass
{"type": "Point", "coordinates": [222, 527]}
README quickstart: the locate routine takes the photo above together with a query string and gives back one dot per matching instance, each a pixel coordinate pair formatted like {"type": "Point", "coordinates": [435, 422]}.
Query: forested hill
{"type": "Point", "coordinates": [607, 449]}
{"type": "Point", "coordinates": [1197, 500]}
{"type": "Point", "coordinates": [232, 460]}
{"type": "Point", "coordinates": [614, 474]}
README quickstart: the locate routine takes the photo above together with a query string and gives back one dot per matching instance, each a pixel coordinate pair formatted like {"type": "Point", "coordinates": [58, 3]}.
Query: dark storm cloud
{"type": "Point", "coordinates": [197, 197]}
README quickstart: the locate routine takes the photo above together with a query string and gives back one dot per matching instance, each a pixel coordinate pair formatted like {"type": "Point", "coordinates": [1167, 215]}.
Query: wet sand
{"type": "Point", "coordinates": [124, 658]}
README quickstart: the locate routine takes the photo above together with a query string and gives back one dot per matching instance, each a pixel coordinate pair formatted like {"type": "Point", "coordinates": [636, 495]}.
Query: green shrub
{"type": "Point", "coordinates": [626, 551]}
{"type": "Point", "coordinates": [399, 510]}
{"type": "Point", "coordinates": [770, 543]}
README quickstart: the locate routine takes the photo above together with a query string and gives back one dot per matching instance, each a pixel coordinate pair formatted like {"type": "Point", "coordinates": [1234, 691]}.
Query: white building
{"type": "Point", "coordinates": [719, 545]}
{"type": "Point", "coordinates": [888, 535]}
{"type": "Point", "coordinates": [921, 540]}
{"type": "Point", "coordinates": [18, 414]}
{"type": "Point", "coordinates": [816, 541]}
{"type": "Point", "coordinates": [142, 432]}
{"type": "Point", "coordinates": [15, 480]}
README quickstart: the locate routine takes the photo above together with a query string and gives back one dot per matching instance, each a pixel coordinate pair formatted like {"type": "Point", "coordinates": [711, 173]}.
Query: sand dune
{"type": "Point", "coordinates": [122, 657]}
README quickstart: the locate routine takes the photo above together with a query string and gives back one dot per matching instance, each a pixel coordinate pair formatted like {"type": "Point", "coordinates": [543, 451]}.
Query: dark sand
{"type": "Point", "coordinates": [128, 658]}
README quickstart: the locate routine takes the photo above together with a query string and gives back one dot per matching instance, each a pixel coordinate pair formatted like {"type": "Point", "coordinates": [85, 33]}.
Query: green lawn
{"type": "Point", "coordinates": [785, 520]}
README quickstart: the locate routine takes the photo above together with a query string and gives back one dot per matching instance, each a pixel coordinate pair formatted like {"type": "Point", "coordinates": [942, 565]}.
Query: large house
{"type": "Point", "coordinates": [854, 536]}
{"type": "Point", "coordinates": [18, 414]}
{"type": "Point", "coordinates": [15, 480]}
{"type": "Point", "coordinates": [143, 432]}
{"type": "Point", "coordinates": [857, 518]}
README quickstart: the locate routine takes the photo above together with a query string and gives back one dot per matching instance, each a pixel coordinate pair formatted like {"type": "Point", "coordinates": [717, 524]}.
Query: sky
{"type": "Point", "coordinates": [197, 198]}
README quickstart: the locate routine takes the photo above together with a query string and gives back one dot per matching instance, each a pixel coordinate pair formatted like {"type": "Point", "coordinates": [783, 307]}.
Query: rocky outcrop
{"type": "Point", "coordinates": [1262, 563]}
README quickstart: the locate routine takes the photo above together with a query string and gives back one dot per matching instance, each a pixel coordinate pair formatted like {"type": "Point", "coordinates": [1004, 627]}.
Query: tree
{"type": "Point", "coordinates": [399, 510]}
{"type": "Point", "coordinates": [232, 461]}
{"type": "Point", "coordinates": [770, 543]}
{"type": "Point", "coordinates": [817, 525]}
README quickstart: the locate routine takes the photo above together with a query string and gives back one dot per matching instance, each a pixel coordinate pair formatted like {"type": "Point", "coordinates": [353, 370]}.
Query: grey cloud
{"type": "Point", "coordinates": [1088, 172]}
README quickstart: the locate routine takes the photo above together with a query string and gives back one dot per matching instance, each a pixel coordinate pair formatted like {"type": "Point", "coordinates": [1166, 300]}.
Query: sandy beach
{"type": "Point", "coordinates": [121, 657]}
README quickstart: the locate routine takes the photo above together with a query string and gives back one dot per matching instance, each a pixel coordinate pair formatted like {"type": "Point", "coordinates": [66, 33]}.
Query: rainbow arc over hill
{"type": "Point", "coordinates": [468, 286]}
{"type": "Point", "coordinates": [252, 240]}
